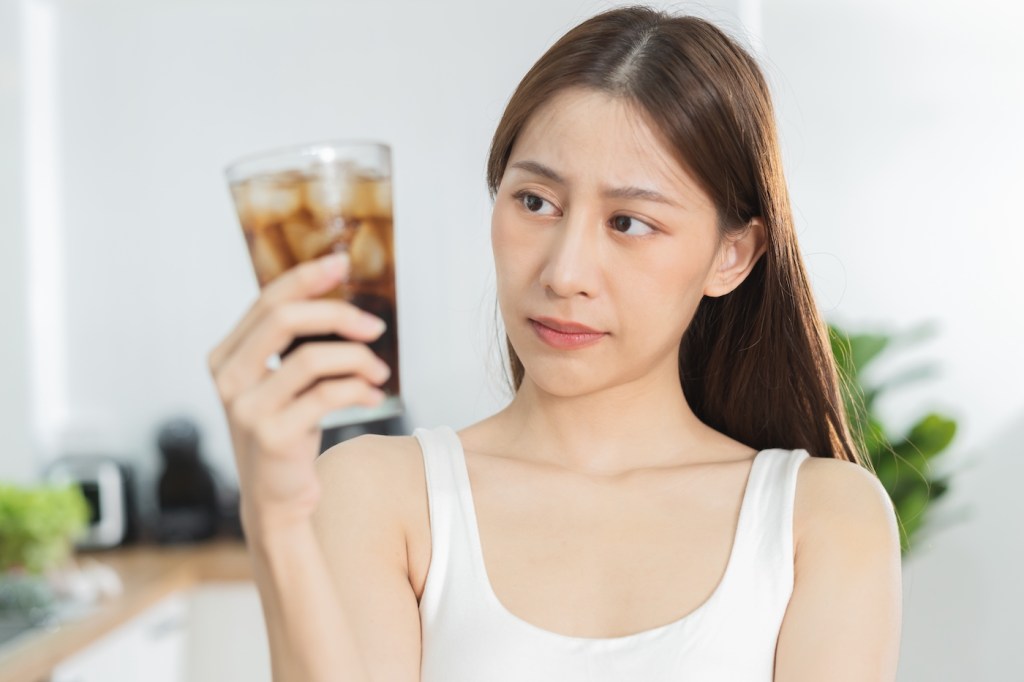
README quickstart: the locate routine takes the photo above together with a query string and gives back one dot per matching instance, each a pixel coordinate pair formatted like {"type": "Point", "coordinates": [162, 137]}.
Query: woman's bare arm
{"type": "Point", "coordinates": [371, 485]}
{"type": "Point", "coordinates": [335, 591]}
{"type": "Point", "coordinates": [311, 638]}
{"type": "Point", "coordinates": [844, 617]}
{"type": "Point", "coordinates": [273, 416]}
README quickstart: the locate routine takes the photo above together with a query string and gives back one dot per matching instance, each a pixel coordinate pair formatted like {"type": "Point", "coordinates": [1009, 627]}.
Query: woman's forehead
{"type": "Point", "coordinates": [587, 135]}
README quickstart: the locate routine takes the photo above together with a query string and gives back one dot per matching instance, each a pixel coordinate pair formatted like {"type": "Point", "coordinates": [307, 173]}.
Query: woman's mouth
{"type": "Point", "coordinates": [565, 335]}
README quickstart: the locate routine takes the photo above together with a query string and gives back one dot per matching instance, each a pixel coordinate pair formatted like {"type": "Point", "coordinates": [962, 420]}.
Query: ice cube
{"type": "Point", "coordinates": [305, 239]}
{"type": "Point", "coordinates": [268, 199]}
{"type": "Point", "coordinates": [369, 253]}
{"type": "Point", "coordinates": [383, 198]}
{"type": "Point", "coordinates": [328, 191]}
{"type": "Point", "coordinates": [268, 259]}
{"type": "Point", "coordinates": [363, 201]}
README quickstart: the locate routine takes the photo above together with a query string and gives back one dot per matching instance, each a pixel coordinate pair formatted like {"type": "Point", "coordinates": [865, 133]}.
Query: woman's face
{"type": "Point", "coordinates": [595, 224]}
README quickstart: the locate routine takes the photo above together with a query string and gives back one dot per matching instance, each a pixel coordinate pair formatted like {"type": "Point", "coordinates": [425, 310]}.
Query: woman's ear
{"type": "Point", "coordinates": [736, 258]}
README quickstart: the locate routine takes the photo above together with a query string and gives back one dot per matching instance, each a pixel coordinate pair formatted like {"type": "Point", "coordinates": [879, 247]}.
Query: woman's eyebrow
{"type": "Point", "coordinates": [540, 169]}
{"type": "Point", "coordinates": [639, 193]}
{"type": "Point", "coordinates": [612, 193]}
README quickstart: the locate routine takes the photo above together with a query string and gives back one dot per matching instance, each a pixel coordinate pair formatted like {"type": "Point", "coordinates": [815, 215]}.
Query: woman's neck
{"type": "Point", "coordinates": [645, 423]}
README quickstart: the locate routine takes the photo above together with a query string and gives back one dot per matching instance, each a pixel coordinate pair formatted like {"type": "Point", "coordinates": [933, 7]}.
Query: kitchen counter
{"type": "Point", "coordinates": [149, 573]}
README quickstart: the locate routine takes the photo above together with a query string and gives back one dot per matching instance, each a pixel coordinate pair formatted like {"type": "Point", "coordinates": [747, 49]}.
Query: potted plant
{"type": "Point", "coordinates": [902, 462]}
{"type": "Point", "coordinates": [38, 529]}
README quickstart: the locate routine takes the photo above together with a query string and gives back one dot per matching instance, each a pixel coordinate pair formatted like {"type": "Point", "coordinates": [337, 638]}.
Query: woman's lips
{"type": "Point", "coordinates": [565, 340]}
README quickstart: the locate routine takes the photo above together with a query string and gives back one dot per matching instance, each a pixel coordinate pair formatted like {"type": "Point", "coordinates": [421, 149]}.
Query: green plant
{"type": "Point", "coordinates": [903, 464]}
{"type": "Point", "coordinates": [38, 525]}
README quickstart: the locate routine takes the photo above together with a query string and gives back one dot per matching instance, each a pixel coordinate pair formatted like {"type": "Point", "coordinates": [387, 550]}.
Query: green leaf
{"type": "Point", "coordinates": [875, 440]}
{"type": "Point", "coordinates": [911, 479]}
{"type": "Point", "coordinates": [870, 395]}
{"type": "Point", "coordinates": [932, 434]}
{"type": "Point", "coordinates": [841, 350]}
{"type": "Point", "coordinates": [903, 468]}
{"type": "Point", "coordinates": [887, 470]}
{"type": "Point", "coordinates": [939, 487]}
{"type": "Point", "coordinates": [911, 511]}
{"type": "Point", "coordinates": [865, 348]}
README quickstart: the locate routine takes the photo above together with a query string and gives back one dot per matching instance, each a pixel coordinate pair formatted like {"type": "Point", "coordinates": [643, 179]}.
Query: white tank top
{"type": "Point", "coordinates": [469, 636]}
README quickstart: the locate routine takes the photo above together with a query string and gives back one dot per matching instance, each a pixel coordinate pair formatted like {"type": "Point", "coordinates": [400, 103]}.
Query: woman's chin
{"type": "Point", "coordinates": [560, 381]}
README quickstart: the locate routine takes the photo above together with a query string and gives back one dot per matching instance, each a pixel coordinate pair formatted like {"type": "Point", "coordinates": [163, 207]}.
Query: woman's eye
{"type": "Point", "coordinates": [625, 223]}
{"type": "Point", "coordinates": [531, 202]}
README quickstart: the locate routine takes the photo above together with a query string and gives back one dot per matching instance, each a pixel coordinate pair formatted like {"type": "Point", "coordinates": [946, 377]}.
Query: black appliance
{"type": "Point", "coordinates": [188, 504]}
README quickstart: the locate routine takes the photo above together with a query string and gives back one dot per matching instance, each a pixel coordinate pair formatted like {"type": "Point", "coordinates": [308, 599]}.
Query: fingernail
{"type": "Point", "coordinates": [383, 371]}
{"type": "Point", "coordinates": [374, 323]}
{"type": "Point", "coordinates": [336, 263]}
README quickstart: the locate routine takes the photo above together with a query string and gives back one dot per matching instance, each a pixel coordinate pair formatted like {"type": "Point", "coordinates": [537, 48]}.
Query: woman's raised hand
{"type": "Point", "coordinates": [274, 415]}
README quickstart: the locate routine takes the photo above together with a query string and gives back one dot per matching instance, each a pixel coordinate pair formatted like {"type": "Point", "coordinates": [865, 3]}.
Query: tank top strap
{"type": "Point", "coordinates": [449, 502]}
{"type": "Point", "coordinates": [764, 546]}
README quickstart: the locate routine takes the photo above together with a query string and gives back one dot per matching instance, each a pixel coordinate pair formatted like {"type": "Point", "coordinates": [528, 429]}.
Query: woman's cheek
{"type": "Point", "coordinates": [511, 241]}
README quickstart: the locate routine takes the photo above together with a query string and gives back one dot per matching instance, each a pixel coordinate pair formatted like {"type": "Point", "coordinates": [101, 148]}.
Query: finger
{"type": "Point", "coordinates": [311, 363]}
{"type": "Point", "coordinates": [247, 365]}
{"type": "Point", "coordinates": [303, 415]}
{"type": "Point", "coordinates": [305, 280]}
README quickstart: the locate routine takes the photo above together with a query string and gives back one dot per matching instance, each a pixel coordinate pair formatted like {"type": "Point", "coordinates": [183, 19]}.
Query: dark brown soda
{"type": "Point", "coordinates": [385, 347]}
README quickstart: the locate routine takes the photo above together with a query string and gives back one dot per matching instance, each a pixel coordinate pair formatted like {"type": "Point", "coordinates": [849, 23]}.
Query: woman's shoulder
{"type": "Point", "coordinates": [373, 449]}
{"type": "Point", "coordinates": [835, 484]}
{"type": "Point", "coordinates": [390, 464]}
{"type": "Point", "coordinates": [836, 497]}
{"type": "Point", "coordinates": [386, 458]}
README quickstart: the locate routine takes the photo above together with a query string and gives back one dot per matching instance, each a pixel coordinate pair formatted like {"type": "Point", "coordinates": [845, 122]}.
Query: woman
{"type": "Point", "coordinates": [672, 493]}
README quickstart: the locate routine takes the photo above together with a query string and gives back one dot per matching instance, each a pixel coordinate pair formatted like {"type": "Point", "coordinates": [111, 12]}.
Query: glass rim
{"type": "Point", "coordinates": [307, 150]}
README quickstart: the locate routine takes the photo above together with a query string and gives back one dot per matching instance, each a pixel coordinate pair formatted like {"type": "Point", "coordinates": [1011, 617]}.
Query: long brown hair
{"type": "Point", "coordinates": [755, 364]}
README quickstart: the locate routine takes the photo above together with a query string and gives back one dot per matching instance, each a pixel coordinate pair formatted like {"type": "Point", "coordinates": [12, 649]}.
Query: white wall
{"type": "Point", "coordinates": [16, 455]}
{"type": "Point", "coordinates": [902, 147]}
{"type": "Point", "coordinates": [962, 594]}
{"type": "Point", "coordinates": [902, 133]}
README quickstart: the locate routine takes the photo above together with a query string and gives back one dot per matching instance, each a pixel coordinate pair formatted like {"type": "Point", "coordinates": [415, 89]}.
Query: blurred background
{"type": "Point", "coordinates": [123, 263]}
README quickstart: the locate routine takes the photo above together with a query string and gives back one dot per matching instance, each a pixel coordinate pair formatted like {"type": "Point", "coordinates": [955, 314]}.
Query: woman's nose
{"type": "Point", "coordinates": [572, 267]}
